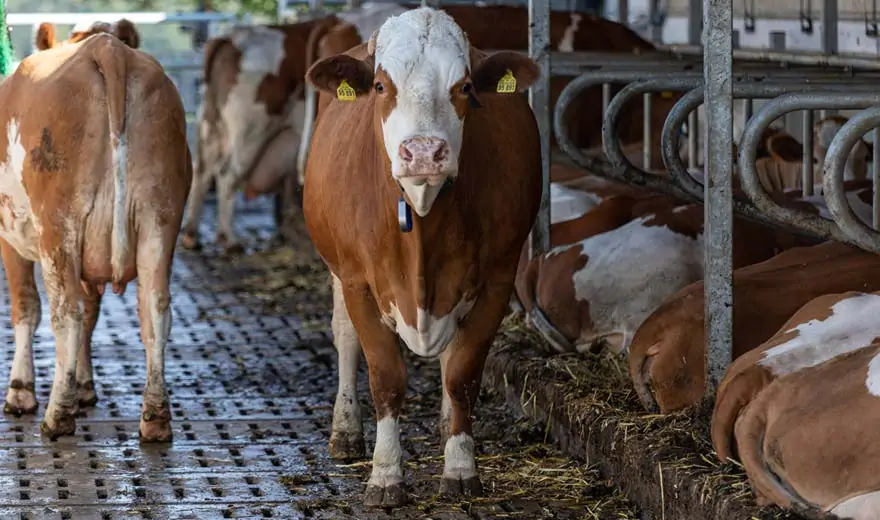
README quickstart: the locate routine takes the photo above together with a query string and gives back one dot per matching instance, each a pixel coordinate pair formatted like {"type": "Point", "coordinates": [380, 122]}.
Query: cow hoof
{"type": "Point", "coordinates": [86, 395]}
{"type": "Point", "coordinates": [155, 425]}
{"type": "Point", "coordinates": [391, 496]}
{"type": "Point", "coordinates": [234, 249]}
{"type": "Point", "coordinates": [60, 424]}
{"type": "Point", "coordinates": [20, 400]}
{"type": "Point", "coordinates": [347, 446]}
{"type": "Point", "coordinates": [190, 241]}
{"type": "Point", "coordinates": [469, 487]}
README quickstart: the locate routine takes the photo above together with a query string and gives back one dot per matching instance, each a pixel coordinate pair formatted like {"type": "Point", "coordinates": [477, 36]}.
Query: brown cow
{"type": "Point", "coordinates": [96, 175]}
{"type": "Point", "coordinates": [667, 357]}
{"type": "Point", "coordinates": [598, 291]}
{"type": "Point", "coordinates": [424, 129]}
{"type": "Point", "coordinates": [122, 29]}
{"type": "Point", "coordinates": [799, 409]}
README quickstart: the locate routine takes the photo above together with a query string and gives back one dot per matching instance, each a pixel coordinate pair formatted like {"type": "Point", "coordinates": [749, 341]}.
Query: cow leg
{"type": "Point", "coordinates": [154, 312]}
{"type": "Point", "coordinates": [388, 379]}
{"type": "Point", "coordinates": [201, 183]}
{"type": "Point", "coordinates": [85, 384]}
{"type": "Point", "coordinates": [462, 367]}
{"type": "Point", "coordinates": [347, 439]}
{"type": "Point", "coordinates": [226, 236]}
{"type": "Point", "coordinates": [20, 398]}
{"type": "Point", "coordinates": [60, 275]}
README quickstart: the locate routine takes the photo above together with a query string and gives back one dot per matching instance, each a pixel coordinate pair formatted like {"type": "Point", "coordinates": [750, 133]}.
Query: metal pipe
{"type": "Point", "coordinates": [849, 60]}
{"type": "Point", "coordinates": [718, 233]}
{"type": "Point", "coordinates": [606, 96]}
{"type": "Point", "coordinates": [830, 96]}
{"type": "Point", "coordinates": [807, 159]}
{"type": "Point", "coordinates": [835, 164]}
{"type": "Point", "coordinates": [693, 142]}
{"type": "Point", "coordinates": [875, 167]}
{"type": "Point", "coordinates": [539, 98]}
{"type": "Point", "coordinates": [647, 106]}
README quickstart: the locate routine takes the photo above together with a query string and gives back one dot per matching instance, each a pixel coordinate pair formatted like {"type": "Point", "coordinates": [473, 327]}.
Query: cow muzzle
{"type": "Point", "coordinates": [425, 164]}
{"type": "Point", "coordinates": [425, 160]}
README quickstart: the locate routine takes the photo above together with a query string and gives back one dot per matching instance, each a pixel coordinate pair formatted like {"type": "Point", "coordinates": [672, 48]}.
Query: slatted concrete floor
{"type": "Point", "coordinates": [251, 383]}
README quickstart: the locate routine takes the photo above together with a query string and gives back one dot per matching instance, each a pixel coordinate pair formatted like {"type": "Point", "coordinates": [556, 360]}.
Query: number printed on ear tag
{"type": "Point", "coordinates": [507, 83]}
{"type": "Point", "coordinates": [344, 92]}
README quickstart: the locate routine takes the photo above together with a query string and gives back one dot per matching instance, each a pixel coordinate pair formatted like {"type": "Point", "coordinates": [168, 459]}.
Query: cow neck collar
{"type": "Point", "coordinates": [404, 211]}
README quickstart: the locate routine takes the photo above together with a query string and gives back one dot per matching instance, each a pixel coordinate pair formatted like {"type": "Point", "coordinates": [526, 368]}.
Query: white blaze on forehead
{"type": "Point", "coordinates": [424, 53]}
{"type": "Point", "coordinates": [852, 325]}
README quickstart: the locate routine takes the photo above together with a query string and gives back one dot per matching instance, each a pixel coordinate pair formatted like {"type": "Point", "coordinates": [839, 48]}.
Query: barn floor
{"type": "Point", "coordinates": [251, 371]}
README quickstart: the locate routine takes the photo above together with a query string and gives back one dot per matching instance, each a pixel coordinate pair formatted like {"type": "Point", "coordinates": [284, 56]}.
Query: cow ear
{"type": "Point", "coordinates": [329, 73]}
{"type": "Point", "coordinates": [505, 72]}
{"type": "Point", "coordinates": [45, 37]}
{"type": "Point", "coordinates": [126, 31]}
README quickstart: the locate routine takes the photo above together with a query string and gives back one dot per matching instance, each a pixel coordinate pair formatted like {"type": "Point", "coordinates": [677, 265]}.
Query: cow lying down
{"type": "Point", "coordinates": [798, 410]}
{"type": "Point", "coordinates": [666, 359]}
{"type": "Point", "coordinates": [597, 291]}
{"type": "Point", "coordinates": [667, 355]}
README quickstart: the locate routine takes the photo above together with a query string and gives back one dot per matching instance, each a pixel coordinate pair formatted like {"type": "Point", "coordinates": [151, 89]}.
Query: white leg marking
{"type": "Point", "coordinates": [446, 403]}
{"type": "Point", "coordinates": [23, 360]}
{"type": "Point", "coordinates": [158, 316]}
{"type": "Point", "coordinates": [387, 456]}
{"type": "Point", "coordinates": [459, 463]}
{"type": "Point", "coordinates": [226, 207]}
{"type": "Point", "coordinates": [347, 410]}
{"type": "Point", "coordinates": [68, 332]}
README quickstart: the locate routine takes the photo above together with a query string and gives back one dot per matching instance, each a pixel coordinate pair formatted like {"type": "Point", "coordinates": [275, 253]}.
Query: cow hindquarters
{"type": "Point", "coordinates": [347, 438]}
{"type": "Point", "coordinates": [462, 368]}
{"type": "Point", "coordinates": [388, 379]}
{"type": "Point", "coordinates": [25, 299]}
{"type": "Point", "coordinates": [154, 258]}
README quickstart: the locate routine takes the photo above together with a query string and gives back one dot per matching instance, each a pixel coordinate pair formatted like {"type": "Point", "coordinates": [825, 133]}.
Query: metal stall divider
{"type": "Point", "coordinates": [539, 98]}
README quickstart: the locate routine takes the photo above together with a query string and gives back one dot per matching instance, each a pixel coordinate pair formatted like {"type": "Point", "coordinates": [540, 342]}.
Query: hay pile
{"type": "Point", "coordinates": [594, 394]}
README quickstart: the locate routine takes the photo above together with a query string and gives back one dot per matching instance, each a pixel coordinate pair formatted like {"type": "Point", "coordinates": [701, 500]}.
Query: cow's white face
{"type": "Point", "coordinates": [420, 75]}
{"type": "Point", "coordinates": [422, 69]}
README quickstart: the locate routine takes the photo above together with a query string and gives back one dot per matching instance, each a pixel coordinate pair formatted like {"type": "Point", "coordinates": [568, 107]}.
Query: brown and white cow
{"type": "Point", "coordinates": [568, 32]}
{"type": "Point", "coordinates": [598, 291]}
{"type": "Point", "coordinates": [667, 357]}
{"type": "Point", "coordinates": [122, 29]}
{"type": "Point", "coordinates": [250, 119]}
{"type": "Point", "coordinates": [427, 131]}
{"type": "Point", "coordinates": [92, 187]}
{"type": "Point", "coordinates": [799, 410]}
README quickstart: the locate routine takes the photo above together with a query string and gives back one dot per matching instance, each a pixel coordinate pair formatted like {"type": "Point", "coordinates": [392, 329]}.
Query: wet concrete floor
{"type": "Point", "coordinates": [252, 375]}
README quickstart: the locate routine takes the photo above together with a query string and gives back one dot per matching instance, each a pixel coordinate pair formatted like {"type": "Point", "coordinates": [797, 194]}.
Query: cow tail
{"type": "Point", "coordinates": [311, 98]}
{"type": "Point", "coordinates": [111, 61]}
{"type": "Point", "coordinates": [750, 429]}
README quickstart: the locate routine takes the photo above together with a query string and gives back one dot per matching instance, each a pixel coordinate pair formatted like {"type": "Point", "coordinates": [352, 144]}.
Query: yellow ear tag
{"type": "Point", "coordinates": [507, 84]}
{"type": "Point", "coordinates": [344, 92]}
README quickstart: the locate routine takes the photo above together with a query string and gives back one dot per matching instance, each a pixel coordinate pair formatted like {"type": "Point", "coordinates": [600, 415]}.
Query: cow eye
{"type": "Point", "coordinates": [379, 87]}
{"type": "Point", "coordinates": [467, 88]}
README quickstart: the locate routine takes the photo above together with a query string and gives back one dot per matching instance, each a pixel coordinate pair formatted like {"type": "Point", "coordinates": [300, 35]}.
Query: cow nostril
{"type": "Point", "coordinates": [404, 153]}
{"type": "Point", "coordinates": [441, 153]}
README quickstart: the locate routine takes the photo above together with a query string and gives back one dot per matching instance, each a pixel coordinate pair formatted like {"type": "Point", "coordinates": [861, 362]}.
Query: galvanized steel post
{"type": "Point", "coordinates": [539, 98]}
{"type": "Point", "coordinates": [718, 252]}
